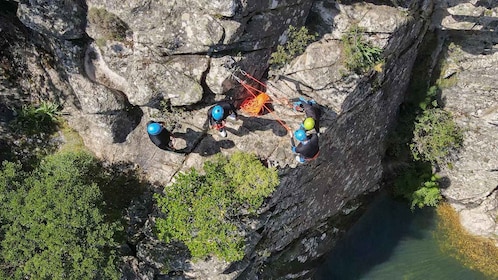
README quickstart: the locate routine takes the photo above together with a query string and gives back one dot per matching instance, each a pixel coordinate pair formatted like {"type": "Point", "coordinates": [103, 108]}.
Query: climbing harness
{"type": "Point", "coordinates": [256, 102]}
{"type": "Point", "coordinates": [313, 158]}
{"type": "Point", "coordinates": [219, 126]}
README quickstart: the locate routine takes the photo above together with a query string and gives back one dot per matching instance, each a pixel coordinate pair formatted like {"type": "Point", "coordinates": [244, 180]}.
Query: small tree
{"type": "Point", "coordinates": [200, 210]}
{"type": "Point", "coordinates": [436, 135]}
{"type": "Point", "coordinates": [53, 227]}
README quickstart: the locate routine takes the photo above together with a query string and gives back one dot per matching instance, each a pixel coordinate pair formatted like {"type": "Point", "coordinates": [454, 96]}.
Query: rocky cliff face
{"type": "Point", "coordinates": [114, 65]}
{"type": "Point", "coordinates": [470, 59]}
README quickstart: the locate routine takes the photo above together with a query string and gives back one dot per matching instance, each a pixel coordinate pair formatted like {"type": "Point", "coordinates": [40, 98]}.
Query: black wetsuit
{"type": "Point", "coordinates": [310, 149]}
{"type": "Point", "coordinates": [313, 111]}
{"type": "Point", "coordinates": [162, 139]}
{"type": "Point", "coordinates": [228, 109]}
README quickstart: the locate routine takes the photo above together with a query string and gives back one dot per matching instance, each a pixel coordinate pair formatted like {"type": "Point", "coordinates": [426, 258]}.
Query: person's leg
{"type": "Point", "coordinates": [300, 159]}
{"type": "Point", "coordinates": [223, 132]}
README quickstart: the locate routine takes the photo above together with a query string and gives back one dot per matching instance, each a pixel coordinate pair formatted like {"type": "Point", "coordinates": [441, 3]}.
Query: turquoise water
{"type": "Point", "coordinates": [390, 242]}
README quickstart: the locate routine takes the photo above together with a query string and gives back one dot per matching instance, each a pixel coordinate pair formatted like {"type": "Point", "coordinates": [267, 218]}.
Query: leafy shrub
{"type": "Point", "coordinates": [428, 194]}
{"type": "Point", "coordinates": [418, 185]}
{"type": "Point", "coordinates": [436, 135]}
{"type": "Point", "coordinates": [429, 100]}
{"type": "Point", "coordinates": [360, 55]}
{"type": "Point", "coordinates": [200, 210]}
{"type": "Point", "coordinates": [298, 40]}
{"type": "Point", "coordinates": [52, 224]}
{"type": "Point", "coordinates": [252, 181]}
{"type": "Point", "coordinates": [32, 120]}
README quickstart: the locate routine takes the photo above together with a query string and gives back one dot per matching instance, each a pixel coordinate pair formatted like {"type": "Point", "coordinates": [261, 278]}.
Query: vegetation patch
{"type": "Point", "coordinates": [298, 40]}
{"type": "Point", "coordinates": [425, 137]}
{"type": "Point", "coordinates": [33, 119]}
{"type": "Point", "coordinates": [477, 253]}
{"type": "Point", "coordinates": [204, 210]}
{"type": "Point", "coordinates": [436, 136]}
{"type": "Point", "coordinates": [360, 54]}
{"type": "Point", "coordinates": [30, 135]}
{"type": "Point", "coordinates": [417, 184]}
{"type": "Point", "coordinates": [52, 222]}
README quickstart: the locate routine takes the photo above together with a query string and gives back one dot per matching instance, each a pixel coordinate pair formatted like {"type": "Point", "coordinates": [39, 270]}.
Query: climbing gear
{"type": "Point", "coordinates": [217, 112]}
{"type": "Point", "coordinates": [298, 106]}
{"type": "Point", "coordinates": [154, 128]}
{"type": "Point", "coordinates": [253, 105]}
{"type": "Point", "coordinates": [293, 149]}
{"type": "Point", "coordinates": [219, 126]}
{"type": "Point", "coordinates": [300, 135]}
{"type": "Point", "coordinates": [309, 123]}
{"type": "Point", "coordinates": [314, 157]}
{"type": "Point", "coordinates": [303, 160]}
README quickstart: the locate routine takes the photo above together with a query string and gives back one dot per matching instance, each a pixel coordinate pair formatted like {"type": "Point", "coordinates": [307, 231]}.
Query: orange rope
{"type": "Point", "coordinates": [253, 105]}
{"type": "Point", "coordinates": [252, 78]}
{"type": "Point", "coordinates": [279, 100]}
{"type": "Point", "coordinates": [250, 90]}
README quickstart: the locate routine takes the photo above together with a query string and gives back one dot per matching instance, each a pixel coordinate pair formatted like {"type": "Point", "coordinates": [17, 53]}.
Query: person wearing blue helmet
{"type": "Point", "coordinates": [217, 115]}
{"type": "Point", "coordinates": [308, 148]}
{"type": "Point", "coordinates": [160, 136]}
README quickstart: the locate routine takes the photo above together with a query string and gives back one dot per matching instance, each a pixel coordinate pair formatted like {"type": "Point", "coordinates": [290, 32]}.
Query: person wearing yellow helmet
{"type": "Point", "coordinates": [312, 111]}
{"type": "Point", "coordinates": [309, 123]}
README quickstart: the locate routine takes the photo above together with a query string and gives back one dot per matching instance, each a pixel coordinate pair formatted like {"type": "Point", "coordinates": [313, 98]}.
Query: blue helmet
{"type": "Point", "coordinates": [154, 128]}
{"type": "Point", "coordinates": [217, 112]}
{"type": "Point", "coordinates": [300, 134]}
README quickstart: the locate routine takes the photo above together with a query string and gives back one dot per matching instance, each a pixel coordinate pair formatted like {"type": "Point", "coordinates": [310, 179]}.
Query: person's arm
{"type": "Point", "coordinates": [293, 144]}
{"type": "Point", "coordinates": [234, 110]}
{"type": "Point", "coordinates": [210, 117]}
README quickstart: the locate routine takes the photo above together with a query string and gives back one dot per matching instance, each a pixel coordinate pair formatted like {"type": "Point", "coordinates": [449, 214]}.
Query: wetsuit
{"type": "Point", "coordinates": [313, 111]}
{"type": "Point", "coordinates": [310, 149]}
{"type": "Point", "coordinates": [228, 109]}
{"type": "Point", "coordinates": [161, 140]}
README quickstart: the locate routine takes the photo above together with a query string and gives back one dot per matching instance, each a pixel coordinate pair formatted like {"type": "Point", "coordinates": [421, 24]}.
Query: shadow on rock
{"type": "Point", "coordinates": [191, 138]}
{"type": "Point", "coordinates": [209, 146]}
{"type": "Point", "coordinates": [253, 124]}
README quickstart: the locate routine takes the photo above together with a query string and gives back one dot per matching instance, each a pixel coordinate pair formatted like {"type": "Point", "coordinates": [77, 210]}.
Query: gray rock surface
{"type": "Point", "coordinates": [472, 96]}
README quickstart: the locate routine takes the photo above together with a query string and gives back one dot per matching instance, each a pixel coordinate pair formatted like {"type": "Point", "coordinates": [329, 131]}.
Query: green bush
{"type": "Point", "coordinates": [360, 55]}
{"type": "Point", "coordinates": [201, 210]}
{"type": "Point", "coordinates": [418, 184]}
{"type": "Point", "coordinates": [428, 194]}
{"type": "Point", "coordinates": [435, 136]}
{"type": "Point", "coordinates": [298, 40]}
{"type": "Point", "coordinates": [33, 120]}
{"type": "Point", "coordinates": [52, 225]}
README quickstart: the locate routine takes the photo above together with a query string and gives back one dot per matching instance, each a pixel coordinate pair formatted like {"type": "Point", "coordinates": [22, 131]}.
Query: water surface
{"type": "Point", "coordinates": [390, 242]}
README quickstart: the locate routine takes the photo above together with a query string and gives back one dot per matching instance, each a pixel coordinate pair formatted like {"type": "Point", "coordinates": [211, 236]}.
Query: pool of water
{"type": "Point", "coordinates": [391, 242]}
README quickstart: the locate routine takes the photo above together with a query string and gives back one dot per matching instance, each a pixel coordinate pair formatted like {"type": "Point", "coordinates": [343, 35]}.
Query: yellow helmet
{"type": "Point", "coordinates": [309, 123]}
